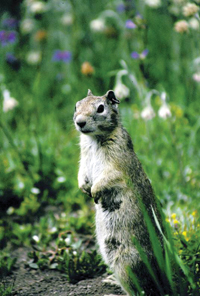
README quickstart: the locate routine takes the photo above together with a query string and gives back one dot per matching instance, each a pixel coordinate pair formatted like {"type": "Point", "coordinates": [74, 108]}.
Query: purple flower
{"type": "Point", "coordinates": [12, 61]}
{"type": "Point", "coordinates": [135, 55]}
{"type": "Point", "coordinates": [7, 37]}
{"type": "Point", "coordinates": [10, 58]}
{"type": "Point", "coordinates": [121, 7]}
{"type": "Point", "coordinates": [62, 56]}
{"type": "Point", "coordinates": [11, 37]}
{"type": "Point", "coordinates": [130, 24]}
{"type": "Point", "coordinates": [144, 53]}
{"type": "Point", "coordinates": [10, 23]}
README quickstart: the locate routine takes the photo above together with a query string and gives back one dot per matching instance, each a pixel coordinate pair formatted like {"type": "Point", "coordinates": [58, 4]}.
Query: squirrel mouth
{"type": "Point", "coordinates": [85, 131]}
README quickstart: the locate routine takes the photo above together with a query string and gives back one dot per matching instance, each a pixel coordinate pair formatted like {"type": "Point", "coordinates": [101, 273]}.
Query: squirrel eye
{"type": "Point", "coordinates": [100, 109]}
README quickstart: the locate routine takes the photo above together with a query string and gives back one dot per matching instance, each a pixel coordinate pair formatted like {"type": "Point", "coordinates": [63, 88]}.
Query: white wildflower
{"type": "Point", "coordinates": [53, 230]}
{"type": "Point", "coordinates": [98, 25]}
{"type": "Point", "coordinates": [8, 102]}
{"type": "Point", "coordinates": [36, 238]}
{"type": "Point", "coordinates": [148, 113]}
{"type": "Point", "coordinates": [121, 90]}
{"type": "Point", "coordinates": [193, 23]}
{"type": "Point", "coordinates": [34, 57]}
{"type": "Point", "coordinates": [196, 77]}
{"type": "Point", "coordinates": [10, 210]}
{"type": "Point", "coordinates": [38, 7]}
{"type": "Point", "coordinates": [63, 215]}
{"type": "Point", "coordinates": [27, 26]}
{"type": "Point", "coordinates": [61, 179]}
{"type": "Point", "coordinates": [153, 3]}
{"type": "Point", "coordinates": [164, 110]}
{"type": "Point", "coordinates": [35, 190]}
{"type": "Point", "coordinates": [190, 9]}
{"type": "Point", "coordinates": [174, 9]}
{"type": "Point", "coordinates": [68, 240]}
{"type": "Point", "coordinates": [181, 26]}
{"type": "Point", "coordinates": [66, 19]}
{"type": "Point", "coordinates": [21, 185]}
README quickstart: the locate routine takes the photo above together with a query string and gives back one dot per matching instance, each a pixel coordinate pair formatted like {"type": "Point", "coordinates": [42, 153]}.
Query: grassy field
{"type": "Point", "coordinates": [51, 53]}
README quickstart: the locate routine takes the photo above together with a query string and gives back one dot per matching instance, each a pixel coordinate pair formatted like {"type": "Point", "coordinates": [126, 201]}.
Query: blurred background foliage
{"type": "Point", "coordinates": [51, 52]}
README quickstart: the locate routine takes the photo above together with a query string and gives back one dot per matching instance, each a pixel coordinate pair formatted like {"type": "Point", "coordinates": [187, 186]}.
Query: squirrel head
{"type": "Point", "coordinates": [110, 95]}
{"type": "Point", "coordinates": [97, 115]}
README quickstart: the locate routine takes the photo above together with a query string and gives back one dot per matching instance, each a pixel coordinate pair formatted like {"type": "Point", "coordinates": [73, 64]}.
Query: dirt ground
{"type": "Point", "coordinates": [28, 282]}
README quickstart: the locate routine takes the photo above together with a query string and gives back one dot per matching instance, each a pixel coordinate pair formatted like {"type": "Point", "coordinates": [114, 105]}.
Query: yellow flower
{"type": "Point", "coordinates": [175, 221]}
{"type": "Point", "coordinates": [40, 35]}
{"type": "Point", "coordinates": [194, 213]}
{"type": "Point", "coordinates": [173, 215]}
{"type": "Point", "coordinates": [184, 233]}
{"type": "Point", "coordinates": [87, 69]}
{"type": "Point", "coordinates": [176, 110]}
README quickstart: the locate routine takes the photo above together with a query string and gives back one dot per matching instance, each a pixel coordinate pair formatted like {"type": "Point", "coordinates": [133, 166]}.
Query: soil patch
{"type": "Point", "coordinates": [28, 282]}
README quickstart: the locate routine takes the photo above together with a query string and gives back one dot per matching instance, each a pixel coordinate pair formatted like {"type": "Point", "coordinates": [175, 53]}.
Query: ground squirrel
{"type": "Point", "coordinates": [112, 175]}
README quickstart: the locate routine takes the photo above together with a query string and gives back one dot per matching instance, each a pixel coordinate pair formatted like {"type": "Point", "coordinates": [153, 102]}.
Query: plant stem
{"type": "Point", "coordinates": [14, 146]}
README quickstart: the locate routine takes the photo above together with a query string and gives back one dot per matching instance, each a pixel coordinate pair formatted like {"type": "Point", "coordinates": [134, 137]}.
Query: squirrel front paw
{"type": "Point", "coordinates": [96, 194]}
{"type": "Point", "coordinates": [85, 187]}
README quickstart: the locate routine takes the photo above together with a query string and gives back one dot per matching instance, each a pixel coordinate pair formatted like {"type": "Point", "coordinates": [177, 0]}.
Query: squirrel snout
{"type": "Point", "coordinates": [81, 121]}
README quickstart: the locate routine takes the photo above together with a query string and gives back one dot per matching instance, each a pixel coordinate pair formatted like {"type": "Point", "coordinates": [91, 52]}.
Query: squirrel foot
{"type": "Point", "coordinates": [111, 280]}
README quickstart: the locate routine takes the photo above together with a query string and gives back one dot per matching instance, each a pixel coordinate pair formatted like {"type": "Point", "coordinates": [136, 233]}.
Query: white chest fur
{"type": "Point", "coordinates": [92, 158]}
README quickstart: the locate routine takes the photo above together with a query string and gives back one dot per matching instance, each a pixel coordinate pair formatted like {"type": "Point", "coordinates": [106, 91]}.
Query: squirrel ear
{"type": "Point", "coordinates": [89, 93]}
{"type": "Point", "coordinates": [110, 95]}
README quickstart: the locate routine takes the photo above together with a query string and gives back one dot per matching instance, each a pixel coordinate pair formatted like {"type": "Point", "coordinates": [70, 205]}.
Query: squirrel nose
{"type": "Point", "coordinates": [80, 121]}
